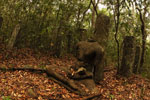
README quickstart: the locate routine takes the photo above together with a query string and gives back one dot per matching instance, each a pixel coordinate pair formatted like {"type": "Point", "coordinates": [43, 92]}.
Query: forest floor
{"type": "Point", "coordinates": [24, 85]}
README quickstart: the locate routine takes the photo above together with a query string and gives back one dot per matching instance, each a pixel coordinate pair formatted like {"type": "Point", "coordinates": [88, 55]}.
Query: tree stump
{"type": "Point", "coordinates": [101, 33]}
{"type": "Point", "coordinates": [128, 56]}
{"type": "Point", "coordinates": [102, 27]}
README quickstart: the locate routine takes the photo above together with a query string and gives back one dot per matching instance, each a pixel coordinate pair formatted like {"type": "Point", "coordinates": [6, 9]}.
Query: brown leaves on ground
{"type": "Point", "coordinates": [120, 88]}
{"type": "Point", "coordinates": [24, 85]}
{"type": "Point", "coordinates": [19, 85]}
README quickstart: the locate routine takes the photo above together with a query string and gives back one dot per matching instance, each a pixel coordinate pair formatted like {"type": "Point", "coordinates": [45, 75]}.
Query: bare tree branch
{"type": "Point", "coordinates": [97, 3]}
{"type": "Point", "coordinates": [86, 10]}
{"type": "Point", "coordinates": [95, 7]}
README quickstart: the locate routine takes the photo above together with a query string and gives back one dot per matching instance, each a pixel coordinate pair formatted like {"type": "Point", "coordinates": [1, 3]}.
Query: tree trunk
{"type": "Point", "coordinates": [69, 38]}
{"type": "Point", "coordinates": [128, 56]}
{"type": "Point", "coordinates": [1, 21]}
{"type": "Point", "coordinates": [137, 60]}
{"type": "Point", "coordinates": [58, 42]}
{"type": "Point", "coordinates": [117, 22]}
{"type": "Point", "coordinates": [143, 32]}
{"type": "Point", "coordinates": [58, 46]}
{"type": "Point", "coordinates": [93, 16]}
{"type": "Point", "coordinates": [143, 50]}
{"type": "Point", "coordinates": [13, 37]}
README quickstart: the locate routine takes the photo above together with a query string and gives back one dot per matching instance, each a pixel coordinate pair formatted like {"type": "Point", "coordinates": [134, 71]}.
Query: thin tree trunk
{"type": "Point", "coordinates": [143, 39]}
{"type": "Point", "coordinates": [69, 38]}
{"type": "Point", "coordinates": [117, 18]}
{"type": "Point", "coordinates": [137, 59]}
{"type": "Point", "coordinates": [93, 15]}
{"type": "Point", "coordinates": [1, 21]}
{"type": "Point", "coordinates": [143, 30]}
{"type": "Point", "coordinates": [143, 50]}
{"type": "Point", "coordinates": [13, 37]}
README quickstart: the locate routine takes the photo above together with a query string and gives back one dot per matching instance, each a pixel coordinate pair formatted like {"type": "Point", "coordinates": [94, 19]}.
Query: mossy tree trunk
{"type": "Point", "coordinates": [128, 56]}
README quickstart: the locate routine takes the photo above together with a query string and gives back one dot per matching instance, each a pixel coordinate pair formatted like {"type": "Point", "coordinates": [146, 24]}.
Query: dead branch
{"type": "Point", "coordinates": [67, 83]}
{"type": "Point", "coordinates": [23, 69]}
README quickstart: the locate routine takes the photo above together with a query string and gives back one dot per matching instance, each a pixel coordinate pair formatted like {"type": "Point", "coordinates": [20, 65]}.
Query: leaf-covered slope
{"type": "Point", "coordinates": [22, 85]}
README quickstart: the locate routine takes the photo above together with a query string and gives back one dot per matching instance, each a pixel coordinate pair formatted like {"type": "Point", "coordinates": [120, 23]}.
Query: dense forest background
{"type": "Point", "coordinates": [57, 25]}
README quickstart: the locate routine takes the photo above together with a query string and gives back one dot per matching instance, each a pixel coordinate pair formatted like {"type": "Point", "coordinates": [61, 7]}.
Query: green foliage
{"type": "Point", "coordinates": [111, 97]}
{"type": "Point", "coordinates": [145, 70]}
{"type": "Point", "coordinates": [42, 21]}
{"type": "Point", "coordinates": [54, 25]}
{"type": "Point", "coordinates": [6, 97]}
